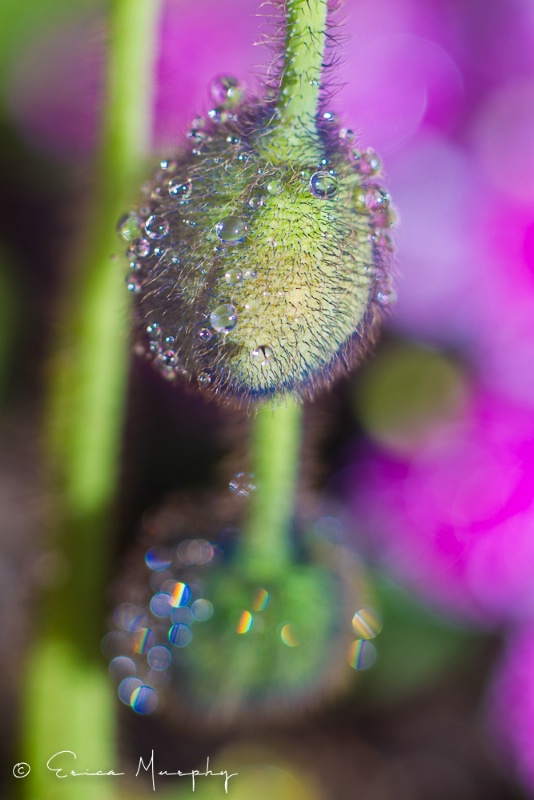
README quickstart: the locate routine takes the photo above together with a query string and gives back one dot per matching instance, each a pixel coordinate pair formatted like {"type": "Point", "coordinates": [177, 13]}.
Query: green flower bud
{"type": "Point", "coordinates": [262, 264]}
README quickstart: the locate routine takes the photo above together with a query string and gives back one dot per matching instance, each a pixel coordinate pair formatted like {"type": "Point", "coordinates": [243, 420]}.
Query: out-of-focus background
{"type": "Point", "coordinates": [424, 458]}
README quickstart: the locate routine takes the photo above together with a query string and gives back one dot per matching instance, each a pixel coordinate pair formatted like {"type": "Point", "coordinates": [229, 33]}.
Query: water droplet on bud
{"type": "Point", "coordinates": [180, 189]}
{"type": "Point", "coordinates": [323, 184]}
{"type": "Point", "coordinates": [275, 187]}
{"type": "Point", "coordinates": [233, 277]}
{"type": "Point", "coordinates": [223, 319]}
{"type": "Point", "coordinates": [204, 380]}
{"type": "Point", "coordinates": [262, 354]}
{"type": "Point", "coordinates": [231, 230]}
{"type": "Point", "coordinates": [129, 227]}
{"type": "Point", "coordinates": [367, 162]}
{"type": "Point", "coordinates": [140, 248]}
{"type": "Point", "coordinates": [156, 227]}
{"type": "Point", "coordinates": [227, 91]}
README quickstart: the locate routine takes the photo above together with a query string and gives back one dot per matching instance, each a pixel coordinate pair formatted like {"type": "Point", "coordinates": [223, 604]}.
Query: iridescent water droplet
{"type": "Point", "coordinates": [127, 687]}
{"type": "Point", "coordinates": [362, 654]}
{"type": "Point", "coordinates": [223, 318]}
{"type": "Point", "coordinates": [144, 700]}
{"type": "Point", "coordinates": [245, 623]}
{"type": "Point", "coordinates": [135, 265]}
{"type": "Point", "coordinates": [323, 184]}
{"type": "Point", "coordinates": [143, 640]}
{"type": "Point", "coordinates": [180, 189]}
{"type": "Point", "coordinates": [156, 227]}
{"type": "Point", "coordinates": [233, 139]}
{"type": "Point", "coordinates": [140, 247]}
{"type": "Point", "coordinates": [261, 600]}
{"type": "Point", "coordinates": [129, 227]}
{"type": "Point", "coordinates": [180, 595]}
{"type": "Point", "coordinates": [133, 284]}
{"type": "Point", "coordinates": [180, 635]}
{"type": "Point", "coordinates": [204, 379]}
{"type": "Point", "coordinates": [227, 91]}
{"type": "Point", "coordinates": [367, 623]}
{"type": "Point", "coordinates": [205, 334]}
{"type": "Point", "coordinates": [242, 484]}
{"type": "Point", "coordinates": [231, 229]}
{"type": "Point", "coordinates": [275, 187]}
{"type": "Point", "coordinates": [262, 354]}
{"type": "Point", "coordinates": [287, 635]}
{"type": "Point", "coordinates": [366, 162]}
{"type": "Point", "coordinates": [233, 277]}
{"type": "Point", "coordinates": [377, 198]}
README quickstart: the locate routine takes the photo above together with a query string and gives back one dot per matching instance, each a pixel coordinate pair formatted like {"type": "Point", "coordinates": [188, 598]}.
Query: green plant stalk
{"type": "Point", "coordinates": [266, 547]}
{"type": "Point", "coordinates": [275, 444]}
{"type": "Point", "coordinates": [294, 126]}
{"type": "Point", "coordinates": [67, 698]}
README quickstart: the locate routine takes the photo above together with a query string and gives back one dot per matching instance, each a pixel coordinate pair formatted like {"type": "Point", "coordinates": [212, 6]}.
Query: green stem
{"type": "Point", "coordinates": [68, 703]}
{"type": "Point", "coordinates": [266, 547]}
{"type": "Point", "coordinates": [294, 130]}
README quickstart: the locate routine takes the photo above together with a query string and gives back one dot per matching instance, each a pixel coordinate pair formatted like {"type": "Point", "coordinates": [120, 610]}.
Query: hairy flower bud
{"type": "Point", "coordinates": [261, 255]}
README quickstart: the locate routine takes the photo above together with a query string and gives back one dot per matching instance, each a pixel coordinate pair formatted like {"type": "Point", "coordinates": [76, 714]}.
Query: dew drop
{"type": "Point", "coordinates": [168, 165]}
{"type": "Point", "coordinates": [223, 318]}
{"type": "Point", "coordinates": [205, 334]}
{"type": "Point", "coordinates": [156, 227]}
{"type": "Point", "coordinates": [153, 329]}
{"type": "Point", "coordinates": [362, 654]}
{"type": "Point", "coordinates": [169, 358]}
{"type": "Point", "coordinates": [347, 135]}
{"type": "Point", "coordinates": [129, 227]}
{"type": "Point", "coordinates": [252, 306]}
{"type": "Point", "coordinates": [180, 189]}
{"type": "Point", "coordinates": [330, 117]}
{"type": "Point", "coordinates": [250, 273]}
{"type": "Point", "coordinates": [197, 134]}
{"type": "Point", "coordinates": [204, 379]}
{"type": "Point", "coordinates": [233, 277]}
{"type": "Point", "coordinates": [262, 354]}
{"type": "Point", "coordinates": [377, 198]}
{"type": "Point", "coordinates": [159, 657]}
{"type": "Point", "coordinates": [256, 201]}
{"type": "Point", "coordinates": [231, 230]}
{"type": "Point", "coordinates": [387, 298]}
{"type": "Point", "coordinates": [134, 265]}
{"type": "Point", "coordinates": [323, 184]}
{"type": "Point", "coordinates": [133, 284]}
{"type": "Point", "coordinates": [367, 623]}
{"type": "Point", "coordinates": [226, 91]}
{"type": "Point", "coordinates": [366, 162]}
{"type": "Point", "coordinates": [242, 484]}
{"type": "Point", "coordinates": [275, 187]}
{"type": "Point", "coordinates": [180, 635]}
{"type": "Point", "coordinates": [140, 247]}
{"type": "Point", "coordinates": [144, 700]}
{"type": "Point", "coordinates": [233, 139]}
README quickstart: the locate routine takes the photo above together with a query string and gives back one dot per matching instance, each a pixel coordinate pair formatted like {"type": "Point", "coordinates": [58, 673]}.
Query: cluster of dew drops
{"type": "Point", "coordinates": [150, 640]}
{"type": "Point", "coordinates": [146, 232]}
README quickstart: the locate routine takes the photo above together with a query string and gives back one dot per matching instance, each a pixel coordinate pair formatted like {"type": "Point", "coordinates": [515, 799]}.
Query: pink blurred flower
{"type": "Point", "coordinates": [454, 519]}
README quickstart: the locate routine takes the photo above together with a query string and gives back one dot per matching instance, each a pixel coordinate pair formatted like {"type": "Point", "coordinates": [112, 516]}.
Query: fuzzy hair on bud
{"type": "Point", "coordinates": [260, 256]}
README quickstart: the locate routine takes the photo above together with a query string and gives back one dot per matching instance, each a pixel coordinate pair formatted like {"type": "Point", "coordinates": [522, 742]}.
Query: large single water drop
{"type": "Point", "coordinates": [223, 318]}
{"type": "Point", "coordinates": [323, 184]}
{"type": "Point", "coordinates": [231, 230]}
